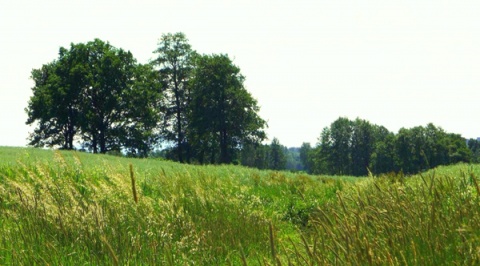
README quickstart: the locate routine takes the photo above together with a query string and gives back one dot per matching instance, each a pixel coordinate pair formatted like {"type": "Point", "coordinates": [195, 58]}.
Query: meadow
{"type": "Point", "coordinates": [72, 208]}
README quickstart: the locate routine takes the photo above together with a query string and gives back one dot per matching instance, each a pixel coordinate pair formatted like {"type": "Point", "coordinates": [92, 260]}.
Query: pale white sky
{"type": "Point", "coordinates": [394, 63]}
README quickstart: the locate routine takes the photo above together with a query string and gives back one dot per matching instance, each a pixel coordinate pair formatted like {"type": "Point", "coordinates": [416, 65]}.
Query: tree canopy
{"type": "Point", "coordinates": [96, 94]}
{"type": "Point", "coordinates": [98, 98]}
{"type": "Point", "coordinates": [175, 64]}
{"type": "Point", "coordinates": [222, 115]}
{"type": "Point", "coordinates": [354, 147]}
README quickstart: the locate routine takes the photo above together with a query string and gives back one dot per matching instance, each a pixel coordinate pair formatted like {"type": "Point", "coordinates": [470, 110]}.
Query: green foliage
{"type": "Point", "coordinates": [175, 66]}
{"type": "Point", "coordinates": [474, 147]}
{"type": "Point", "coordinates": [222, 114]}
{"type": "Point", "coordinates": [139, 134]}
{"type": "Point", "coordinates": [274, 157]}
{"type": "Point", "coordinates": [363, 142]}
{"type": "Point", "coordinates": [294, 163]}
{"type": "Point", "coordinates": [278, 160]}
{"type": "Point", "coordinates": [306, 156]}
{"type": "Point", "coordinates": [97, 94]}
{"type": "Point", "coordinates": [255, 155]}
{"type": "Point", "coordinates": [97, 97]}
{"type": "Point", "coordinates": [421, 148]}
{"type": "Point", "coordinates": [384, 157]}
{"type": "Point", "coordinates": [208, 114]}
{"type": "Point", "coordinates": [356, 147]}
{"type": "Point", "coordinates": [53, 109]}
{"type": "Point", "coordinates": [336, 143]}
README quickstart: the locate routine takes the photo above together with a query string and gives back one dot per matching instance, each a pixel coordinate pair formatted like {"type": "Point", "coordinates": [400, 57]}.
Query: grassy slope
{"type": "Point", "coordinates": [76, 208]}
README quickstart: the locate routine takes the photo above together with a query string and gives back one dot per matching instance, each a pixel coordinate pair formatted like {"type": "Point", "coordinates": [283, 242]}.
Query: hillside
{"type": "Point", "coordinates": [68, 208]}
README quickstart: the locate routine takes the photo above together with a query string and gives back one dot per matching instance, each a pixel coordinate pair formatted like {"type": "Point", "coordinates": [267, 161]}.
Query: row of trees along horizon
{"type": "Point", "coordinates": [99, 98]}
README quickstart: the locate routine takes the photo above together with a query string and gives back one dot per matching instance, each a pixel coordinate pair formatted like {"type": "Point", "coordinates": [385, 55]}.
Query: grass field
{"type": "Point", "coordinates": [70, 208]}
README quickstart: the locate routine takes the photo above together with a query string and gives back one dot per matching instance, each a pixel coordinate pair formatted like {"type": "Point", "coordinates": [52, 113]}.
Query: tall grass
{"type": "Point", "coordinates": [72, 208]}
{"type": "Point", "coordinates": [430, 219]}
{"type": "Point", "coordinates": [64, 208]}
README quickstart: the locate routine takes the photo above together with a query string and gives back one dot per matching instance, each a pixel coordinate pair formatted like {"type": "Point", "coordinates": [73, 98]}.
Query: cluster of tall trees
{"type": "Point", "coordinates": [99, 97]}
{"type": "Point", "coordinates": [355, 147]}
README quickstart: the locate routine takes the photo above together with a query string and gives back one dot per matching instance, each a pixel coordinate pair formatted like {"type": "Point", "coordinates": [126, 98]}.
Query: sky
{"type": "Point", "coordinates": [394, 63]}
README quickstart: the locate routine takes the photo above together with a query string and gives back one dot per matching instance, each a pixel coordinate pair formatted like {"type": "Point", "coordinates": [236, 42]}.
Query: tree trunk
{"type": "Point", "coordinates": [70, 134]}
{"type": "Point", "coordinates": [223, 147]}
{"type": "Point", "coordinates": [179, 118]}
{"type": "Point", "coordinates": [212, 158]}
{"type": "Point", "coordinates": [103, 146]}
{"type": "Point", "coordinates": [94, 142]}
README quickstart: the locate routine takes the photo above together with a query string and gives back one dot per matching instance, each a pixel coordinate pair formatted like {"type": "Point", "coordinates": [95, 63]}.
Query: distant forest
{"type": "Point", "coordinates": [193, 108]}
{"type": "Point", "coordinates": [358, 148]}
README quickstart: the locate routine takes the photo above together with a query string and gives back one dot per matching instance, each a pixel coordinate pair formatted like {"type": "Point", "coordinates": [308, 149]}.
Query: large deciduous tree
{"type": "Point", "coordinates": [109, 73]}
{"type": "Point", "coordinates": [174, 64]}
{"type": "Point", "coordinates": [140, 129]}
{"type": "Point", "coordinates": [55, 104]}
{"type": "Point", "coordinates": [51, 129]}
{"type": "Point", "coordinates": [96, 93]}
{"type": "Point", "coordinates": [222, 115]}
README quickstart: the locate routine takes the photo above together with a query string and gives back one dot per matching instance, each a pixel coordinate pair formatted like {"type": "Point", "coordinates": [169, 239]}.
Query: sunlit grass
{"type": "Point", "coordinates": [64, 208]}
{"type": "Point", "coordinates": [428, 219]}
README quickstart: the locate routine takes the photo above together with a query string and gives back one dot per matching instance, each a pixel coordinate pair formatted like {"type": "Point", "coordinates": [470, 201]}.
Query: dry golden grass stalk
{"type": "Point", "coordinates": [134, 190]}
{"type": "Point", "coordinates": [110, 250]}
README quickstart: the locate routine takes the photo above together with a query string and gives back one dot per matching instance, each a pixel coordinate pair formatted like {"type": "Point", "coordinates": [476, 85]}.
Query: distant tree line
{"type": "Point", "coordinates": [474, 147]}
{"type": "Point", "coordinates": [356, 147]}
{"type": "Point", "coordinates": [273, 156]}
{"type": "Point", "coordinates": [97, 96]}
